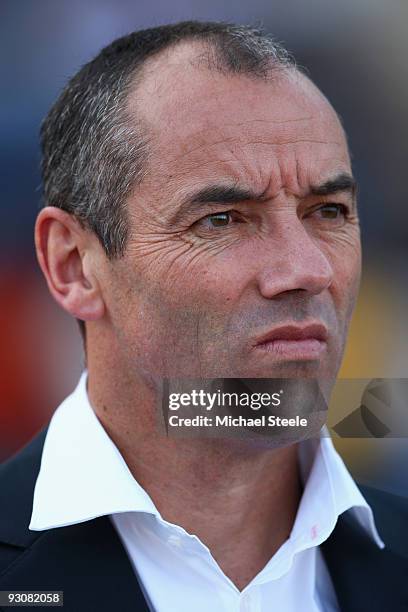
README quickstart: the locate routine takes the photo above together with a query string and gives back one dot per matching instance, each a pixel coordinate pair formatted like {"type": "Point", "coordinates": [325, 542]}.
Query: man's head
{"type": "Point", "coordinates": [207, 200]}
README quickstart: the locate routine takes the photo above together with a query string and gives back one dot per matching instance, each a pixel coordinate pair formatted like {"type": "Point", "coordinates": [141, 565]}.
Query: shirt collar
{"type": "Point", "coordinates": [82, 473]}
{"type": "Point", "coordinates": [329, 490]}
{"type": "Point", "coordinates": [83, 476]}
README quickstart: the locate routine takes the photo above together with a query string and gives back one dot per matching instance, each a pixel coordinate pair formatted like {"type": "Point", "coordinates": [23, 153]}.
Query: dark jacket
{"type": "Point", "coordinates": [89, 564]}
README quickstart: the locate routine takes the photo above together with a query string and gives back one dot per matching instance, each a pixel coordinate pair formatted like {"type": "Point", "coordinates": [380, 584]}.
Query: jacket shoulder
{"type": "Point", "coordinates": [17, 481]}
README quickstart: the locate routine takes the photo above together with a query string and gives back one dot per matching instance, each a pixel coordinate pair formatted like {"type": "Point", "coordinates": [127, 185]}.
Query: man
{"type": "Point", "coordinates": [201, 221]}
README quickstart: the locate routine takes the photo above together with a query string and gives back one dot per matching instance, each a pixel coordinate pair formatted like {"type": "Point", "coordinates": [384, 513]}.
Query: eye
{"type": "Point", "coordinates": [334, 215]}
{"type": "Point", "coordinates": [333, 211]}
{"type": "Point", "coordinates": [222, 219]}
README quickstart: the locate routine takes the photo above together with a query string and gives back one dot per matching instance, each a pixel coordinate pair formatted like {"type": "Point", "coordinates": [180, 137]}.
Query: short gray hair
{"type": "Point", "coordinates": [94, 153]}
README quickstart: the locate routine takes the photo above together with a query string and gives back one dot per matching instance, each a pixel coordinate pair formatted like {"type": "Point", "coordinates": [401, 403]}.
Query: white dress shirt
{"type": "Point", "coordinates": [83, 476]}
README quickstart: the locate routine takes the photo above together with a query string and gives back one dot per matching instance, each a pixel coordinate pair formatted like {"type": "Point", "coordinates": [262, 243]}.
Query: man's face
{"type": "Point", "coordinates": [245, 223]}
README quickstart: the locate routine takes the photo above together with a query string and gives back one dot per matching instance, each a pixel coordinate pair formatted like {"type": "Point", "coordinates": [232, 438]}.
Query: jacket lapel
{"type": "Point", "coordinates": [87, 562]}
{"type": "Point", "coordinates": [364, 576]}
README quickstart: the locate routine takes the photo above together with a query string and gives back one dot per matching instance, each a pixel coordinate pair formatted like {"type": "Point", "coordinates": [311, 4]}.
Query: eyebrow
{"type": "Point", "coordinates": [342, 182]}
{"type": "Point", "coordinates": [229, 194]}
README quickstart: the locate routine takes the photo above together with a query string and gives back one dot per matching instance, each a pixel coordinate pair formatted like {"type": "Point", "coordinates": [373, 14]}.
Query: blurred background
{"type": "Point", "coordinates": [355, 50]}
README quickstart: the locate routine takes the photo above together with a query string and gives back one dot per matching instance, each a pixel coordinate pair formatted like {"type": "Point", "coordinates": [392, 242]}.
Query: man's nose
{"type": "Point", "coordinates": [293, 260]}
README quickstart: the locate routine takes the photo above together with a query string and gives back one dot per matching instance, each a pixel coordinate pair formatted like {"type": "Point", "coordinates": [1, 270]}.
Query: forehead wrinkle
{"type": "Point", "coordinates": [189, 144]}
{"type": "Point", "coordinates": [228, 171]}
{"type": "Point", "coordinates": [204, 135]}
{"type": "Point", "coordinates": [258, 173]}
{"type": "Point", "coordinates": [240, 143]}
{"type": "Point", "coordinates": [209, 163]}
{"type": "Point", "coordinates": [289, 175]}
{"type": "Point", "coordinates": [209, 126]}
{"type": "Point", "coordinates": [296, 141]}
{"type": "Point", "coordinates": [273, 121]}
{"type": "Point", "coordinates": [202, 146]}
{"type": "Point", "coordinates": [227, 175]}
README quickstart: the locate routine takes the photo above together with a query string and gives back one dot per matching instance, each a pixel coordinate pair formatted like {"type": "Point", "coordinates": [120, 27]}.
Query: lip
{"type": "Point", "coordinates": [294, 342]}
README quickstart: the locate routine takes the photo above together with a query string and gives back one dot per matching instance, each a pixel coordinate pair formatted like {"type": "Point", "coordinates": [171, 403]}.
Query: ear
{"type": "Point", "coordinates": [66, 254]}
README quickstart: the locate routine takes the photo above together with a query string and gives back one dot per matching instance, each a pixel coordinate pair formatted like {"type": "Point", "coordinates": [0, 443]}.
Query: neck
{"type": "Point", "coordinates": [240, 500]}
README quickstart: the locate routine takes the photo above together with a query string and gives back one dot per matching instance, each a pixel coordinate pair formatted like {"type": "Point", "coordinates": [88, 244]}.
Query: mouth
{"type": "Point", "coordinates": [294, 342]}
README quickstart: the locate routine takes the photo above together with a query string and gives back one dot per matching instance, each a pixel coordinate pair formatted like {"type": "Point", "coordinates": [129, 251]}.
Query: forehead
{"type": "Point", "coordinates": [203, 122]}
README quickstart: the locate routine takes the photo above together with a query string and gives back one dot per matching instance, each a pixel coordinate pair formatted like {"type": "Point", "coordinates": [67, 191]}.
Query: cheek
{"type": "Point", "coordinates": [169, 321]}
{"type": "Point", "coordinates": [195, 277]}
